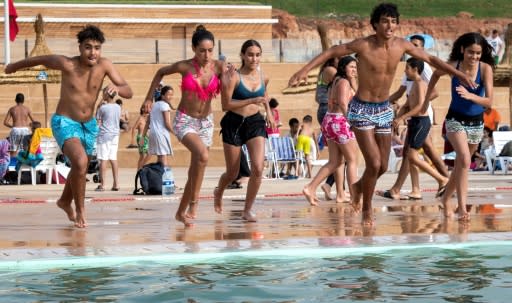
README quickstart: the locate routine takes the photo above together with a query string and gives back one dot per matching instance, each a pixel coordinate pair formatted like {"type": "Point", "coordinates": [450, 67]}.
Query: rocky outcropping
{"type": "Point", "coordinates": [343, 28]}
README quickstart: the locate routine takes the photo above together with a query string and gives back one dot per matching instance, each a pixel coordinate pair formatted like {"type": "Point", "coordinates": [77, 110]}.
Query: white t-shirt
{"type": "Point", "coordinates": [159, 136]}
{"type": "Point", "coordinates": [109, 114]}
{"type": "Point", "coordinates": [426, 74]}
{"type": "Point", "coordinates": [496, 44]}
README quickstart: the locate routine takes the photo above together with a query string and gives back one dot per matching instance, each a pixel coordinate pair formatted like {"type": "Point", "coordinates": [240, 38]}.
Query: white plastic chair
{"type": "Point", "coordinates": [492, 153]}
{"type": "Point", "coordinates": [314, 156]}
{"type": "Point", "coordinates": [394, 161]}
{"type": "Point", "coordinates": [49, 150]}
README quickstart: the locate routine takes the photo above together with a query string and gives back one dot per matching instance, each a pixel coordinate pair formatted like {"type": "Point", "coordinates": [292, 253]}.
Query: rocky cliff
{"type": "Point", "coordinates": [343, 28]}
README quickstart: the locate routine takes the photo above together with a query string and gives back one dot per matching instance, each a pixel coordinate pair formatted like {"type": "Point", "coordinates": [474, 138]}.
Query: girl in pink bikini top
{"type": "Point", "coordinates": [193, 122]}
{"type": "Point", "coordinates": [346, 71]}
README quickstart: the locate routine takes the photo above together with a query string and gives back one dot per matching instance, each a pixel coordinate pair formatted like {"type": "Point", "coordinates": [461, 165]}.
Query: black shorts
{"type": "Point", "coordinates": [237, 130]}
{"type": "Point", "coordinates": [417, 131]}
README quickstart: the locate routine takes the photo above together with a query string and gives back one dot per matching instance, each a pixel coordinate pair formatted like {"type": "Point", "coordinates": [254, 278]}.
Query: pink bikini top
{"type": "Point", "coordinates": [189, 84]}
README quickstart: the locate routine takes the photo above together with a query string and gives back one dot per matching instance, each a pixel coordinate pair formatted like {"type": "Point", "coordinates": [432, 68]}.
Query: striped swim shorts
{"type": "Point", "coordinates": [365, 115]}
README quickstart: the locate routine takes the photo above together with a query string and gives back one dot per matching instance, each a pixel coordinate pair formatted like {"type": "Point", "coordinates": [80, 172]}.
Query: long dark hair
{"type": "Point", "coordinates": [467, 40]}
{"type": "Point", "coordinates": [248, 44]}
{"type": "Point", "coordinates": [164, 91]}
{"type": "Point", "coordinates": [342, 64]}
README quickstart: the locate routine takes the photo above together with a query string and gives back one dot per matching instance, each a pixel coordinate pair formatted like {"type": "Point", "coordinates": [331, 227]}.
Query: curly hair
{"type": "Point", "coordinates": [386, 10]}
{"type": "Point", "coordinates": [90, 32]}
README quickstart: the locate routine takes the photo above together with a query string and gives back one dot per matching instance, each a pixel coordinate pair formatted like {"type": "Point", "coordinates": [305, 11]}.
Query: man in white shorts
{"type": "Point", "coordinates": [107, 143]}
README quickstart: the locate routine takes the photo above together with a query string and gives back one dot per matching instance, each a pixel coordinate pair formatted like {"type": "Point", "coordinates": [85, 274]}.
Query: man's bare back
{"type": "Point", "coordinates": [306, 130]}
{"type": "Point", "coordinates": [21, 116]}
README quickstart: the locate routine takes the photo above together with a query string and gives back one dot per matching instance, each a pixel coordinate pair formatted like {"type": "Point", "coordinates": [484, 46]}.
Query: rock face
{"type": "Point", "coordinates": [351, 27]}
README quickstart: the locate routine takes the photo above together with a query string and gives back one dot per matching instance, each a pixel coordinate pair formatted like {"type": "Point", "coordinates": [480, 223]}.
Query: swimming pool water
{"type": "Point", "coordinates": [473, 273]}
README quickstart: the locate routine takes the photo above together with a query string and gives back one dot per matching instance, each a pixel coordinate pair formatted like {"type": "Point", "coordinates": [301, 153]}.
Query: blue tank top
{"type": "Point", "coordinates": [241, 92]}
{"type": "Point", "coordinates": [465, 106]}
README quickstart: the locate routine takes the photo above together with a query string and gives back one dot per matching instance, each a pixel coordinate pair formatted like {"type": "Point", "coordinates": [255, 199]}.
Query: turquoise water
{"type": "Point", "coordinates": [478, 273]}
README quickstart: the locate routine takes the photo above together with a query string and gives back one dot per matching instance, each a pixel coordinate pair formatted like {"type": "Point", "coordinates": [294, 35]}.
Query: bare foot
{"type": "Point", "coordinates": [368, 219]}
{"type": "Point", "coordinates": [342, 198]}
{"type": "Point", "coordinates": [249, 216]}
{"type": "Point", "coordinates": [217, 200]}
{"type": "Point", "coordinates": [80, 220]}
{"type": "Point", "coordinates": [355, 198]}
{"type": "Point", "coordinates": [192, 209]}
{"type": "Point", "coordinates": [309, 196]}
{"type": "Point", "coordinates": [67, 209]}
{"type": "Point", "coordinates": [327, 192]}
{"type": "Point", "coordinates": [464, 217]}
{"type": "Point", "coordinates": [184, 219]}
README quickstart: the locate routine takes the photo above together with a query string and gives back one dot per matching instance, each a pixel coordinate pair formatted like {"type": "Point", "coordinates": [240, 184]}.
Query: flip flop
{"type": "Point", "coordinates": [99, 188]}
{"type": "Point", "coordinates": [115, 189]}
{"type": "Point", "coordinates": [386, 194]}
{"type": "Point", "coordinates": [440, 191]}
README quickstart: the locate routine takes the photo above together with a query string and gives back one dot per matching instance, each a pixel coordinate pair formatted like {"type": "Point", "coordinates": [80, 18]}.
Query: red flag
{"type": "Point", "coordinates": [13, 26]}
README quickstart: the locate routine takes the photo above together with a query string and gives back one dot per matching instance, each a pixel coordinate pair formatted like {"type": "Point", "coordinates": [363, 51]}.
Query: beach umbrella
{"type": "Point", "coordinates": [36, 74]}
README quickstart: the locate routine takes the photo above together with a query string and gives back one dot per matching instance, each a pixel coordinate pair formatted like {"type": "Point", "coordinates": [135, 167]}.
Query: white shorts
{"type": "Point", "coordinates": [108, 150]}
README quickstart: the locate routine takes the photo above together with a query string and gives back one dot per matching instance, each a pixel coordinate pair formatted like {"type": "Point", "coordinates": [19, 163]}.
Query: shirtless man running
{"type": "Point", "coordinates": [21, 117]}
{"type": "Point", "coordinates": [73, 123]}
{"type": "Point", "coordinates": [370, 113]}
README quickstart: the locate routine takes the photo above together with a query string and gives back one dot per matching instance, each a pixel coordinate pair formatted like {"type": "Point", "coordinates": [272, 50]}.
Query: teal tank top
{"type": "Point", "coordinates": [241, 92]}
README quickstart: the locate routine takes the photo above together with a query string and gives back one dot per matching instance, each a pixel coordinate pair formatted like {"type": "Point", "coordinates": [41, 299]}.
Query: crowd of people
{"type": "Point", "coordinates": [355, 111]}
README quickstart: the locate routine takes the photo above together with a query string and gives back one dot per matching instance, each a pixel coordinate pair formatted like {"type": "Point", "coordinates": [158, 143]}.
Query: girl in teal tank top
{"type": "Point", "coordinates": [243, 94]}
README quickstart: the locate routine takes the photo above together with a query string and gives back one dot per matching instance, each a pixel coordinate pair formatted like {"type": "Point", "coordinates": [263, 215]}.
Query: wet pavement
{"type": "Point", "coordinates": [121, 224]}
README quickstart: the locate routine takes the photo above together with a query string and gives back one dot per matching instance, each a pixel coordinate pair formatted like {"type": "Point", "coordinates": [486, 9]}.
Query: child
{"type": "Point", "coordinates": [418, 125]}
{"type": "Point", "coordinates": [306, 132]}
{"type": "Point", "coordinates": [124, 121]}
{"type": "Point", "coordinates": [138, 127]}
{"type": "Point", "coordinates": [294, 134]}
{"type": "Point", "coordinates": [274, 132]}
{"type": "Point", "coordinates": [160, 127]}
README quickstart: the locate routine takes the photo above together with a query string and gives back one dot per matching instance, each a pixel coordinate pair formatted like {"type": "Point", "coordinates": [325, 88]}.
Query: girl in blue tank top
{"type": "Point", "coordinates": [472, 55]}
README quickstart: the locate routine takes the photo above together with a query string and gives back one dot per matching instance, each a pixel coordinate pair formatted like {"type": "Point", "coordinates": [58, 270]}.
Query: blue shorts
{"type": "Point", "coordinates": [65, 128]}
{"type": "Point", "coordinates": [417, 131]}
{"type": "Point", "coordinates": [369, 115]}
